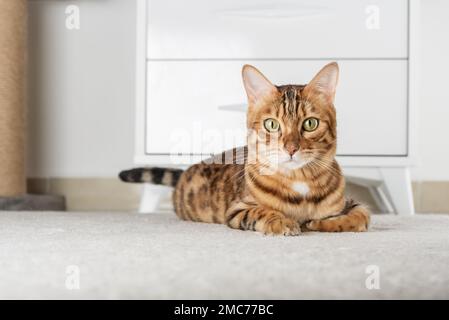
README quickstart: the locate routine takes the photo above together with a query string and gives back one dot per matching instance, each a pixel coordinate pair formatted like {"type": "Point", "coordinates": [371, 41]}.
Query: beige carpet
{"type": "Point", "coordinates": [125, 255]}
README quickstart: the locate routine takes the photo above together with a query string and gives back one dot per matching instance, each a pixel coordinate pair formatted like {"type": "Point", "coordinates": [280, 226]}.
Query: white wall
{"type": "Point", "coordinates": [82, 98]}
{"type": "Point", "coordinates": [82, 89]}
{"type": "Point", "coordinates": [434, 110]}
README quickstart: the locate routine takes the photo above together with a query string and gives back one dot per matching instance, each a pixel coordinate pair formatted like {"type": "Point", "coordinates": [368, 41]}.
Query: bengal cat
{"type": "Point", "coordinates": [293, 185]}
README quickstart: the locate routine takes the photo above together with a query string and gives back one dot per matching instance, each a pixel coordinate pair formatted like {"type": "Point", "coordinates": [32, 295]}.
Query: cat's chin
{"type": "Point", "coordinates": [289, 166]}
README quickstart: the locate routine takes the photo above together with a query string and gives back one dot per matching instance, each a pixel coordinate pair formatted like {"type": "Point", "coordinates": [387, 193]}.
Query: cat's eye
{"type": "Point", "coordinates": [310, 124]}
{"type": "Point", "coordinates": [272, 125]}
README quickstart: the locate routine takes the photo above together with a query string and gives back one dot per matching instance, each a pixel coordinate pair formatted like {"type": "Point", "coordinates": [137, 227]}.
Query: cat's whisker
{"type": "Point", "coordinates": [237, 175]}
{"type": "Point", "coordinates": [325, 165]}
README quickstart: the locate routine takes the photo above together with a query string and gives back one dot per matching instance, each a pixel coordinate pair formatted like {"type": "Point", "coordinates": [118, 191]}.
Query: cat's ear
{"type": "Point", "coordinates": [257, 86]}
{"type": "Point", "coordinates": [324, 83]}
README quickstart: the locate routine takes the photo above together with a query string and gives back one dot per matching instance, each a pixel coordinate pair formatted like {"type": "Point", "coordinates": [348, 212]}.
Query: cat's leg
{"type": "Point", "coordinates": [354, 218]}
{"type": "Point", "coordinates": [245, 216]}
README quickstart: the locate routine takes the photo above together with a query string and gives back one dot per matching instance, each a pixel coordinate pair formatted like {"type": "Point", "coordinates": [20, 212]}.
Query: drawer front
{"type": "Point", "coordinates": [191, 105]}
{"type": "Point", "coordinates": [267, 29]}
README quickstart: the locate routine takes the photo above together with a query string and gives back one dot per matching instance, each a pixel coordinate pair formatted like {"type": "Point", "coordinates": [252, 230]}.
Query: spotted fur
{"type": "Point", "coordinates": [241, 194]}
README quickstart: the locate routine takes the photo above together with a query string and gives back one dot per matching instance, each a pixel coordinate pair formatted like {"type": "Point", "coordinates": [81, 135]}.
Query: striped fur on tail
{"type": "Point", "coordinates": [164, 176]}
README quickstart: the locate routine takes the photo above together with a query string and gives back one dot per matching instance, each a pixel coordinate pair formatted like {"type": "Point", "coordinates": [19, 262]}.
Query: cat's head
{"type": "Point", "coordinates": [291, 125]}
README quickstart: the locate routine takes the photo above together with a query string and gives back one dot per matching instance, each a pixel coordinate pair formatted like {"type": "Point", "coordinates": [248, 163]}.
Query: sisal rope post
{"type": "Point", "coordinates": [13, 18]}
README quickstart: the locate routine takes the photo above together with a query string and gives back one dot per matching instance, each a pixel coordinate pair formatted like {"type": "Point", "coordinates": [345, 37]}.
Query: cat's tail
{"type": "Point", "coordinates": [165, 176]}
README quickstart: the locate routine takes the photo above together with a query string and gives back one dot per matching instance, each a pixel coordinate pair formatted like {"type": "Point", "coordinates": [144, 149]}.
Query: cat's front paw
{"type": "Point", "coordinates": [282, 226]}
{"type": "Point", "coordinates": [336, 224]}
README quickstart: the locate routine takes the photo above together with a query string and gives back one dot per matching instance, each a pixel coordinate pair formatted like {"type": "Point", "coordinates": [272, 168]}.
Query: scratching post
{"type": "Point", "coordinates": [12, 88]}
{"type": "Point", "coordinates": [13, 44]}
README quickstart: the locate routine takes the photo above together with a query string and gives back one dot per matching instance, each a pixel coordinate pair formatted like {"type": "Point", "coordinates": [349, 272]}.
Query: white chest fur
{"type": "Point", "coordinates": [301, 187]}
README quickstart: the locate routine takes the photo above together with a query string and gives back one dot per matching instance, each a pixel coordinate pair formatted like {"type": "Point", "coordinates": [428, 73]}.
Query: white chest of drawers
{"type": "Point", "coordinates": [189, 88]}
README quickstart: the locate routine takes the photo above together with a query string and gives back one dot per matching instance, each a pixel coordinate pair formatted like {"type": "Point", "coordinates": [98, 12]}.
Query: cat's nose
{"type": "Point", "coordinates": [291, 149]}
